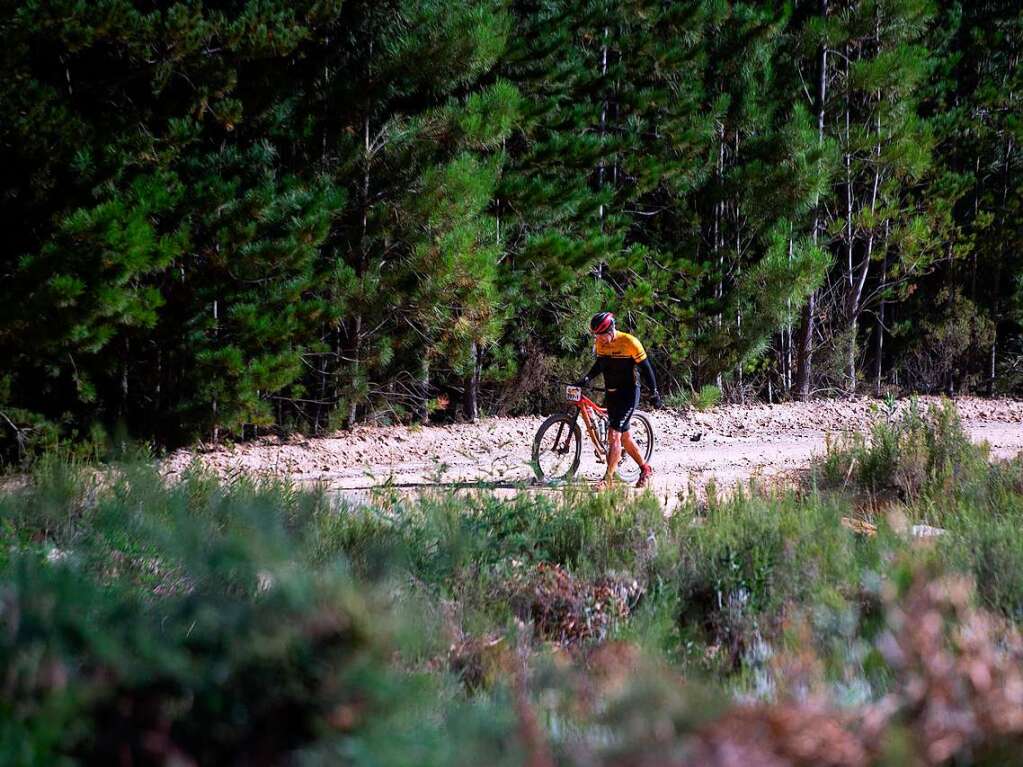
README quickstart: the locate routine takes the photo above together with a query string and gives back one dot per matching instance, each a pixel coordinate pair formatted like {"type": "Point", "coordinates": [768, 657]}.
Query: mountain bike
{"type": "Point", "coordinates": [557, 447]}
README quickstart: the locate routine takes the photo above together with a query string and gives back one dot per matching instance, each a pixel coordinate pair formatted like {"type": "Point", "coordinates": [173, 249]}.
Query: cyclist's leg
{"type": "Point", "coordinates": [632, 448]}
{"type": "Point", "coordinates": [614, 453]}
{"type": "Point", "coordinates": [619, 412]}
{"type": "Point", "coordinates": [627, 442]}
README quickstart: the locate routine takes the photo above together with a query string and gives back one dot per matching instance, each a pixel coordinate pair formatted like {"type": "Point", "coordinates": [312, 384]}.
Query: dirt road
{"type": "Point", "coordinates": [735, 443]}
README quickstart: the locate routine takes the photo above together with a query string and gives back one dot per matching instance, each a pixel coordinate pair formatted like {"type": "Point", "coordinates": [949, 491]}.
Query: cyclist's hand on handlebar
{"type": "Point", "coordinates": [655, 400]}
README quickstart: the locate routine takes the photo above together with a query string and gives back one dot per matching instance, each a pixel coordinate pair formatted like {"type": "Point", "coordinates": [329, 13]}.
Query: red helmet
{"type": "Point", "coordinates": [601, 322]}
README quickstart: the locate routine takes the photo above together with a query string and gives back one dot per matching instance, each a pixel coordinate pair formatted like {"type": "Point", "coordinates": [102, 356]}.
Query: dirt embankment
{"type": "Point", "coordinates": [729, 443]}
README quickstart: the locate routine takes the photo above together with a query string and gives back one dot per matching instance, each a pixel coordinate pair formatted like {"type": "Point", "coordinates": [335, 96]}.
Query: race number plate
{"type": "Point", "coordinates": [573, 393]}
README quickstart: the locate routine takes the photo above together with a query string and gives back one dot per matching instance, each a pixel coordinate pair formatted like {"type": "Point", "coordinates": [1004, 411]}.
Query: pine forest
{"type": "Point", "coordinates": [227, 217]}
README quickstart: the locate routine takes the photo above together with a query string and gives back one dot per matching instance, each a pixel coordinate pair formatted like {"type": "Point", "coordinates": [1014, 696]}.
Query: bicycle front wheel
{"type": "Point", "coordinates": [557, 448]}
{"type": "Point", "coordinates": [642, 432]}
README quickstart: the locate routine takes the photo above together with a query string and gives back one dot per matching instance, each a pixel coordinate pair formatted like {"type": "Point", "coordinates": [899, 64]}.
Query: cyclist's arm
{"type": "Point", "coordinates": [646, 372]}
{"type": "Point", "coordinates": [595, 371]}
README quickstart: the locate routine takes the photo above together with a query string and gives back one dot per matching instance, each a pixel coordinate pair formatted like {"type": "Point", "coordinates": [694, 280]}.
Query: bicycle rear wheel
{"type": "Point", "coordinates": [642, 432]}
{"type": "Point", "coordinates": [557, 448]}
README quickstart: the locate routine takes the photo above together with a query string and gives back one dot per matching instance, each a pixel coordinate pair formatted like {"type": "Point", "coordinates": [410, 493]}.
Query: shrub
{"type": "Point", "coordinates": [753, 554]}
{"type": "Point", "coordinates": [920, 453]}
{"type": "Point", "coordinates": [570, 610]}
{"type": "Point", "coordinates": [209, 623]}
{"type": "Point", "coordinates": [212, 621]}
{"type": "Point", "coordinates": [99, 671]}
{"type": "Point", "coordinates": [946, 350]}
{"type": "Point", "coordinates": [707, 397]}
{"type": "Point", "coordinates": [442, 537]}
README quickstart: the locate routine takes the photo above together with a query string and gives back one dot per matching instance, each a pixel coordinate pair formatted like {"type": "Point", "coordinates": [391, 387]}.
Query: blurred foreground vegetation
{"type": "Point", "coordinates": [254, 622]}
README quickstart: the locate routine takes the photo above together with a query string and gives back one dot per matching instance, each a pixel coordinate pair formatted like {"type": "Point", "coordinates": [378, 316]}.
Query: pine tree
{"type": "Point", "coordinates": [874, 215]}
{"type": "Point", "coordinates": [408, 73]}
{"type": "Point", "coordinates": [225, 217]}
{"type": "Point", "coordinates": [154, 115]}
{"type": "Point", "coordinates": [887, 155]}
{"type": "Point", "coordinates": [614, 142]}
{"type": "Point", "coordinates": [973, 102]}
{"type": "Point", "coordinates": [760, 260]}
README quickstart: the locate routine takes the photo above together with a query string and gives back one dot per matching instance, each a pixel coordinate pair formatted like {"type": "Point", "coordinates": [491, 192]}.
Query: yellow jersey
{"type": "Point", "coordinates": [618, 358]}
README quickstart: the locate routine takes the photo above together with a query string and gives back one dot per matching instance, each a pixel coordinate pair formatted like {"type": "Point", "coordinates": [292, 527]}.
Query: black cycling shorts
{"type": "Point", "coordinates": [621, 404]}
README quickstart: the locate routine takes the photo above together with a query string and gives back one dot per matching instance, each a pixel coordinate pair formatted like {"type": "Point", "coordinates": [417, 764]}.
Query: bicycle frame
{"type": "Point", "coordinates": [585, 407]}
{"type": "Point", "coordinates": [563, 426]}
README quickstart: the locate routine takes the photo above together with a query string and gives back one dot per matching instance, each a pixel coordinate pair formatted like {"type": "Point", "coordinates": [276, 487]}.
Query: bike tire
{"type": "Point", "coordinates": [574, 451]}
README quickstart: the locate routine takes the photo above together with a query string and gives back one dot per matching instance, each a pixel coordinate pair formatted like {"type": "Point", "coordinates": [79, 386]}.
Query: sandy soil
{"type": "Point", "coordinates": [735, 443]}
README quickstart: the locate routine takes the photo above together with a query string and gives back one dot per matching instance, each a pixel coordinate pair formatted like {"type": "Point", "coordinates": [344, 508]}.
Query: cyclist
{"type": "Point", "coordinates": [618, 356]}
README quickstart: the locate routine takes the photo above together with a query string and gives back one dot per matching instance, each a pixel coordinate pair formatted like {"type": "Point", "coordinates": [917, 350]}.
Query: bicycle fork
{"type": "Point", "coordinates": [558, 447]}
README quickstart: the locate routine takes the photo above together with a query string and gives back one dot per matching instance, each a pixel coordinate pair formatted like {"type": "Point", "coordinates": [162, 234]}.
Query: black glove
{"type": "Point", "coordinates": [582, 382]}
{"type": "Point", "coordinates": [655, 399]}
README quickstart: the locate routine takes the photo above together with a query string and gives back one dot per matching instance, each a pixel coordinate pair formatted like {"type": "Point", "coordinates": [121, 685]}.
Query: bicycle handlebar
{"type": "Point", "coordinates": [588, 388]}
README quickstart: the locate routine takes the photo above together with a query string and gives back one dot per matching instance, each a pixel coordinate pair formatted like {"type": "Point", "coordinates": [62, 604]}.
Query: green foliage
{"type": "Point", "coordinates": [984, 540]}
{"type": "Point", "coordinates": [942, 351]}
{"type": "Point", "coordinates": [752, 554]}
{"type": "Point", "coordinates": [228, 219]}
{"type": "Point", "coordinates": [707, 397]}
{"type": "Point", "coordinates": [450, 539]}
{"type": "Point", "coordinates": [134, 609]}
{"type": "Point", "coordinates": [141, 618]}
{"type": "Point", "coordinates": [262, 619]}
{"type": "Point", "coordinates": [918, 454]}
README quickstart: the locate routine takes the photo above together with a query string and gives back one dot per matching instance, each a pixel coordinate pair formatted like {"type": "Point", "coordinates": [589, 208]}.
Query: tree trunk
{"type": "Point", "coordinates": [879, 339]}
{"type": "Point", "coordinates": [124, 378]}
{"type": "Point", "coordinates": [603, 132]}
{"type": "Point", "coordinates": [719, 240]}
{"type": "Point", "coordinates": [787, 337]}
{"type": "Point", "coordinates": [216, 332]}
{"type": "Point", "coordinates": [353, 406]}
{"type": "Point", "coordinates": [859, 280]}
{"type": "Point", "coordinates": [738, 277]}
{"type": "Point", "coordinates": [421, 410]}
{"type": "Point", "coordinates": [850, 357]}
{"type": "Point", "coordinates": [992, 363]}
{"type": "Point", "coordinates": [356, 339]}
{"type": "Point", "coordinates": [996, 303]}
{"type": "Point", "coordinates": [470, 407]}
{"type": "Point", "coordinates": [849, 238]}
{"type": "Point", "coordinates": [805, 349]}
{"type": "Point", "coordinates": [976, 214]}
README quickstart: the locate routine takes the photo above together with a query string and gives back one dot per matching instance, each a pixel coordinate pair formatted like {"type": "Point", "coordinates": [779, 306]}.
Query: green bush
{"type": "Point", "coordinates": [752, 556]}
{"type": "Point", "coordinates": [242, 656]}
{"type": "Point", "coordinates": [707, 397]}
{"type": "Point", "coordinates": [215, 621]}
{"type": "Point", "coordinates": [920, 454]}
{"type": "Point", "coordinates": [212, 623]}
{"type": "Point", "coordinates": [985, 537]}
{"type": "Point", "coordinates": [443, 537]}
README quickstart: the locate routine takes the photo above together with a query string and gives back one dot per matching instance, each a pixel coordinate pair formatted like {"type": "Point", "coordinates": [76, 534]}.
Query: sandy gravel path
{"type": "Point", "coordinates": [735, 443]}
